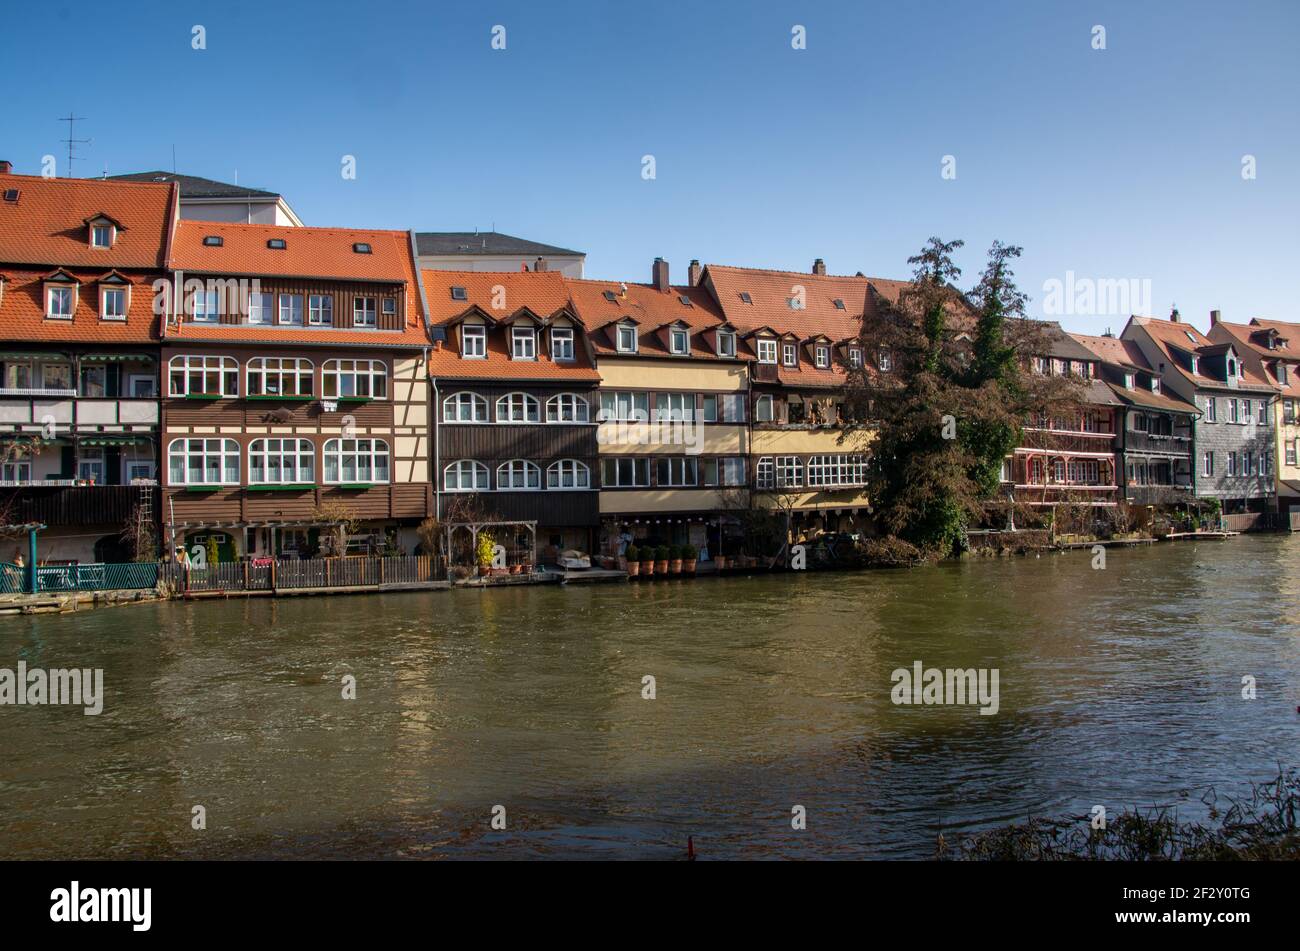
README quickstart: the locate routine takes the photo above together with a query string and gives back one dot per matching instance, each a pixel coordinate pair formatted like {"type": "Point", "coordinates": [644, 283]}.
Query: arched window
{"type": "Point", "coordinates": [281, 462]}
{"type": "Point", "coordinates": [354, 379]}
{"type": "Point", "coordinates": [518, 474]}
{"type": "Point", "coordinates": [466, 476]}
{"type": "Point", "coordinates": [203, 462]}
{"type": "Point", "coordinates": [204, 376]}
{"type": "Point", "coordinates": [355, 461]}
{"type": "Point", "coordinates": [568, 474]}
{"type": "Point", "coordinates": [567, 408]}
{"type": "Point", "coordinates": [518, 408]}
{"type": "Point", "coordinates": [279, 376]}
{"type": "Point", "coordinates": [464, 408]}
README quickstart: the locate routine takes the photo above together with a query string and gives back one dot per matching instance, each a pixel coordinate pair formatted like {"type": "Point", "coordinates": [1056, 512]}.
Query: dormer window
{"type": "Point", "coordinates": [822, 354]}
{"type": "Point", "coordinates": [1155, 384]}
{"type": "Point", "coordinates": [1196, 365]}
{"type": "Point", "coordinates": [767, 351]}
{"type": "Point", "coordinates": [473, 341]}
{"type": "Point", "coordinates": [679, 341]}
{"type": "Point", "coordinates": [627, 339]}
{"type": "Point", "coordinates": [1280, 373]}
{"type": "Point", "coordinates": [523, 343]}
{"type": "Point", "coordinates": [855, 358]}
{"type": "Point", "coordinates": [101, 235]}
{"type": "Point", "coordinates": [60, 301]}
{"type": "Point", "coordinates": [885, 361]}
{"type": "Point", "coordinates": [1232, 368]}
{"type": "Point", "coordinates": [112, 303]}
{"type": "Point", "coordinates": [789, 354]}
{"type": "Point", "coordinates": [726, 343]}
{"type": "Point", "coordinates": [562, 343]}
{"type": "Point", "coordinates": [1129, 380]}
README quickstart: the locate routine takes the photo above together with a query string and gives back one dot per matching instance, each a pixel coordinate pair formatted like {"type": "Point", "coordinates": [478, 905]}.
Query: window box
{"type": "Point", "coordinates": [206, 487]}
{"type": "Point", "coordinates": [283, 399]}
{"type": "Point", "coordinates": [354, 399]}
{"type": "Point", "coordinates": [203, 396]}
{"type": "Point", "coordinates": [355, 485]}
{"type": "Point", "coordinates": [282, 487]}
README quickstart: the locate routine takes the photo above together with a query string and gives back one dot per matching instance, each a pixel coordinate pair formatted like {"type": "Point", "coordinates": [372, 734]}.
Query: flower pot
{"type": "Point", "coordinates": [688, 565]}
{"type": "Point", "coordinates": [674, 566]}
{"type": "Point", "coordinates": [647, 568]}
{"type": "Point", "coordinates": [661, 567]}
{"type": "Point", "coordinates": [633, 568]}
{"type": "Point", "coordinates": [721, 562]}
{"type": "Point", "coordinates": [514, 569]}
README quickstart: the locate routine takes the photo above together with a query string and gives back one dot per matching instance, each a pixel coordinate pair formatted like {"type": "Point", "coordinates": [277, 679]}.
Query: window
{"type": "Point", "coordinates": [279, 376]}
{"type": "Point", "coordinates": [676, 471]}
{"type": "Point", "coordinates": [203, 462]}
{"type": "Point", "coordinates": [213, 241]}
{"type": "Point", "coordinates": [1265, 463]}
{"type": "Point", "coordinates": [726, 343]}
{"type": "Point", "coordinates": [729, 471]}
{"type": "Point", "coordinates": [523, 343]}
{"type": "Point", "coordinates": [203, 376]}
{"type": "Point", "coordinates": [1247, 463]}
{"type": "Point", "coordinates": [1232, 368]}
{"type": "Point", "coordinates": [625, 473]}
{"type": "Point", "coordinates": [855, 358]}
{"type": "Point", "coordinates": [1207, 464]}
{"type": "Point", "coordinates": [837, 470]}
{"type": "Point", "coordinates": [1280, 373]}
{"type": "Point", "coordinates": [356, 461]}
{"type": "Point", "coordinates": [141, 386]}
{"type": "Point", "coordinates": [261, 307]}
{"type": "Point", "coordinates": [291, 310]}
{"type": "Point", "coordinates": [765, 474]}
{"type": "Point", "coordinates": [57, 376]}
{"type": "Point", "coordinates": [1263, 412]}
{"type": "Point", "coordinates": [518, 408]}
{"type": "Point", "coordinates": [561, 343]}
{"type": "Point", "coordinates": [624, 406]}
{"type": "Point", "coordinates": [205, 306]}
{"type": "Point", "coordinates": [361, 247]}
{"type": "Point", "coordinates": [679, 341]}
{"type": "Point", "coordinates": [320, 310]}
{"type": "Point", "coordinates": [458, 293]}
{"type": "Point", "coordinates": [101, 236]}
{"type": "Point", "coordinates": [1155, 384]}
{"type": "Point", "coordinates": [789, 354]}
{"type": "Point", "coordinates": [281, 462]}
{"type": "Point", "coordinates": [823, 355]}
{"type": "Point", "coordinates": [1290, 454]}
{"type": "Point", "coordinates": [763, 409]}
{"type": "Point", "coordinates": [839, 303]}
{"type": "Point", "coordinates": [389, 305]}
{"type": "Point", "coordinates": [1232, 463]}
{"type": "Point", "coordinates": [474, 341]}
{"type": "Point", "coordinates": [767, 351]}
{"type": "Point", "coordinates": [112, 303]}
{"type": "Point", "coordinates": [1247, 414]}
{"type": "Point", "coordinates": [466, 476]}
{"type": "Point", "coordinates": [16, 471]}
{"type": "Point", "coordinates": [627, 339]}
{"type": "Point", "coordinates": [1196, 365]}
{"type": "Point", "coordinates": [885, 361]}
{"type": "Point", "coordinates": [518, 474]}
{"type": "Point", "coordinates": [363, 312]}
{"type": "Point", "coordinates": [90, 466]}
{"type": "Point", "coordinates": [59, 301]}
{"type": "Point", "coordinates": [276, 244]}
{"type": "Point", "coordinates": [568, 474]}
{"type": "Point", "coordinates": [1232, 411]}
{"type": "Point", "coordinates": [465, 408]}
{"type": "Point", "coordinates": [354, 379]}
{"type": "Point", "coordinates": [789, 472]}
{"type": "Point", "coordinates": [94, 381]}
{"type": "Point", "coordinates": [733, 408]}
{"type": "Point", "coordinates": [677, 407]}
{"type": "Point", "coordinates": [567, 408]}
{"type": "Point", "coordinates": [1211, 409]}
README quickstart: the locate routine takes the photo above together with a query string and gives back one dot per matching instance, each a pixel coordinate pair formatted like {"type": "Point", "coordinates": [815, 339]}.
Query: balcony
{"type": "Point", "coordinates": [64, 502]}
{"type": "Point", "coordinates": [40, 407]}
{"type": "Point", "coordinates": [1169, 445]}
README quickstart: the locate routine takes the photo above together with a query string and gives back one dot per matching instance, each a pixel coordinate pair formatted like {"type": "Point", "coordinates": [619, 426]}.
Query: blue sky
{"type": "Point", "coordinates": [1114, 164]}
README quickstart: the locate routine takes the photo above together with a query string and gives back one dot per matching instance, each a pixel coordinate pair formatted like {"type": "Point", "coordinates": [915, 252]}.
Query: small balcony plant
{"type": "Point", "coordinates": [647, 561]}
{"type": "Point", "coordinates": [661, 560]}
{"type": "Point", "coordinates": [674, 560]}
{"type": "Point", "coordinates": [632, 559]}
{"type": "Point", "coordinates": [689, 555]}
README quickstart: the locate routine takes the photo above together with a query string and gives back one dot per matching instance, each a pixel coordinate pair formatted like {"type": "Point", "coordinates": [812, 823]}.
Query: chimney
{"type": "Point", "coordinates": [6, 167]}
{"type": "Point", "coordinates": [659, 274]}
{"type": "Point", "coordinates": [819, 267]}
{"type": "Point", "coordinates": [694, 272]}
{"type": "Point", "coordinates": [539, 264]}
{"type": "Point", "coordinates": [1214, 317]}
{"type": "Point", "coordinates": [1173, 314]}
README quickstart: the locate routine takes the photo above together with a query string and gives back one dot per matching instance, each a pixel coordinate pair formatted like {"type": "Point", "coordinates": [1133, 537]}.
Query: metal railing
{"type": "Point", "coordinates": [265, 574]}
{"type": "Point", "coordinates": [91, 577]}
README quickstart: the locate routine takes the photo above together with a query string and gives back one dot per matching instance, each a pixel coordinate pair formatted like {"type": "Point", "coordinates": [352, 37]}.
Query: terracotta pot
{"type": "Point", "coordinates": [688, 565]}
{"type": "Point", "coordinates": [675, 566]}
{"type": "Point", "coordinates": [661, 567]}
{"type": "Point", "coordinates": [514, 569]}
{"type": "Point", "coordinates": [721, 562]}
{"type": "Point", "coordinates": [647, 568]}
{"type": "Point", "coordinates": [633, 568]}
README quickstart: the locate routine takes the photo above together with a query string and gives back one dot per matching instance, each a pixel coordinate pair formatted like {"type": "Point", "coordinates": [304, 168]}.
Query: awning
{"type": "Point", "coordinates": [31, 355]}
{"type": "Point", "coordinates": [120, 357]}
{"type": "Point", "coordinates": [114, 440]}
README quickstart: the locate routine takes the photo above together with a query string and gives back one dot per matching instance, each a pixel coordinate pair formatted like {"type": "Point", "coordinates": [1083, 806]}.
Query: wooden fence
{"type": "Point", "coordinates": [299, 573]}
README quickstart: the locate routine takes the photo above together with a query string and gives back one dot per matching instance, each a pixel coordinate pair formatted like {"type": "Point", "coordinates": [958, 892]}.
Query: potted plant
{"type": "Point", "coordinates": [516, 568]}
{"type": "Point", "coordinates": [483, 554]}
{"type": "Point", "coordinates": [720, 562]}
{"type": "Point", "coordinates": [689, 555]}
{"type": "Point", "coordinates": [647, 561]}
{"type": "Point", "coordinates": [661, 560]}
{"type": "Point", "coordinates": [633, 561]}
{"type": "Point", "coordinates": [674, 560]}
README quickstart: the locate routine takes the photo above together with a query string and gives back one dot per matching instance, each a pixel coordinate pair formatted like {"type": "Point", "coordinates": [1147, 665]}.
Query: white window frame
{"type": "Point", "coordinates": [765, 347]}
{"type": "Point", "coordinates": [679, 341]}
{"type": "Point", "coordinates": [726, 343]}
{"type": "Point", "coordinates": [356, 375]}
{"type": "Point", "coordinates": [789, 472]}
{"type": "Point", "coordinates": [204, 448]}
{"type": "Point", "coordinates": [320, 310]}
{"type": "Point", "coordinates": [473, 341]}
{"type": "Point", "coordinates": [523, 343]}
{"type": "Point", "coordinates": [370, 459]}
{"type": "Point", "coordinates": [225, 368]}
{"type": "Point", "coordinates": [674, 407]}
{"type": "Point", "coordinates": [95, 230]}
{"type": "Point", "coordinates": [1207, 463]}
{"type": "Point", "coordinates": [456, 472]}
{"type": "Point", "coordinates": [789, 354]}
{"type": "Point", "coordinates": [767, 415]}
{"type": "Point", "coordinates": [365, 312]}
{"type": "Point", "coordinates": [518, 408]}
{"type": "Point", "coordinates": [765, 473]}
{"type": "Point", "coordinates": [53, 290]}
{"type": "Point", "coordinates": [568, 408]}
{"type": "Point", "coordinates": [293, 459]}
{"type": "Point", "coordinates": [624, 406]}
{"type": "Point", "coordinates": [822, 356]}
{"type": "Point", "coordinates": [280, 370]}
{"type": "Point", "coordinates": [613, 469]}
{"type": "Point", "coordinates": [261, 308]}
{"type": "Point", "coordinates": [855, 358]}
{"type": "Point", "coordinates": [285, 305]}
{"type": "Point", "coordinates": [465, 407]}
{"type": "Point", "coordinates": [562, 349]}
{"type": "Point", "coordinates": [568, 474]}
{"type": "Point", "coordinates": [111, 290]}
{"type": "Point", "coordinates": [625, 338]}
{"type": "Point", "coordinates": [519, 475]}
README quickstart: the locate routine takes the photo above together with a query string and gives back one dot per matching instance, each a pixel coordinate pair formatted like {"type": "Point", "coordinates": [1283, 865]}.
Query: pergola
{"type": "Point", "coordinates": [184, 528]}
{"type": "Point", "coordinates": [476, 528]}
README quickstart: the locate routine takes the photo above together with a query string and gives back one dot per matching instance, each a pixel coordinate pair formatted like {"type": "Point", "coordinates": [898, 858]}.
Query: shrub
{"type": "Point", "coordinates": [633, 553]}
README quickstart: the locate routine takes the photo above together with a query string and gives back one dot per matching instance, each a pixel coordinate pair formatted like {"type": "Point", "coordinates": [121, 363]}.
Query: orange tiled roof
{"type": "Point", "coordinates": [653, 310]}
{"type": "Point", "coordinates": [1113, 350]}
{"type": "Point", "coordinates": [544, 293]}
{"type": "Point", "coordinates": [22, 310]}
{"type": "Point", "coordinates": [1169, 334]}
{"type": "Point", "coordinates": [47, 223]}
{"type": "Point", "coordinates": [1256, 354]}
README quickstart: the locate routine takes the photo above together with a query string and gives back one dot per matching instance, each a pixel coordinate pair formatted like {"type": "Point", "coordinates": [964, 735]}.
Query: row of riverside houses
{"type": "Point", "coordinates": [246, 384]}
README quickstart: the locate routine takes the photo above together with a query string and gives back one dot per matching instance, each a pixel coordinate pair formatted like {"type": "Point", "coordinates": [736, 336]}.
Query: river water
{"type": "Point", "coordinates": [1120, 686]}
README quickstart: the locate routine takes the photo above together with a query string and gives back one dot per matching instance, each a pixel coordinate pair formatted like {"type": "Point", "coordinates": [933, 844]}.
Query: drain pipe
{"type": "Point", "coordinates": [437, 446]}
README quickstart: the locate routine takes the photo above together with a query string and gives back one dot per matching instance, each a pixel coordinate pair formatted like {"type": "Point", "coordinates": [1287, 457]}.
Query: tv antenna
{"type": "Point", "coordinates": [71, 140]}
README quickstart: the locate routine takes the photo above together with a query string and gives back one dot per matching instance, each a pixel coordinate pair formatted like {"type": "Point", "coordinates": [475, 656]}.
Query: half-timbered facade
{"type": "Point", "coordinates": [514, 388]}
{"type": "Point", "coordinates": [295, 390]}
{"type": "Point", "coordinates": [79, 362]}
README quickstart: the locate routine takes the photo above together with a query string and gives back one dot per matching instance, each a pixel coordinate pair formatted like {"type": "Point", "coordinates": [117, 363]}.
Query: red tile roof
{"type": "Point", "coordinates": [22, 310]}
{"type": "Point", "coordinates": [1257, 356]}
{"type": "Point", "coordinates": [47, 223]}
{"type": "Point", "coordinates": [653, 310]}
{"type": "Point", "coordinates": [543, 293]}
{"type": "Point", "coordinates": [1113, 350]}
{"type": "Point", "coordinates": [1169, 334]}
